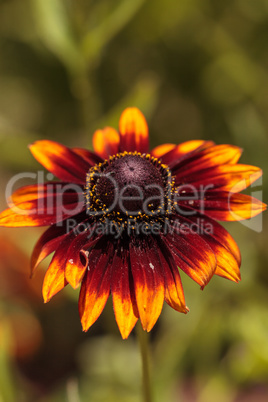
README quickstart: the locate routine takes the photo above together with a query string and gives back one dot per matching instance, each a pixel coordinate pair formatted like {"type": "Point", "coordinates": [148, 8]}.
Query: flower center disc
{"type": "Point", "coordinates": [131, 185]}
{"type": "Point", "coordinates": [128, 184]}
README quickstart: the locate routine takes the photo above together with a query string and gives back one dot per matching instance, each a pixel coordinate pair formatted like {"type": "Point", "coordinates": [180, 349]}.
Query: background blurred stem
{"type": "Point", "coordinates": [81, 87]}
{"type": "Point", "coordinates": [143, 338]}
{"type": "Point", "coordinates": [81, 80]}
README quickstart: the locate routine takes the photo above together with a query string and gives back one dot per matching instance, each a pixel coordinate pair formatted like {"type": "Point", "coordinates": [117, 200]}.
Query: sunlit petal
{"type": "Point", "coordinates": [124, 303]}
{"type": "Point", "coordinates": [148, 282]}
{"type": "Point", "coordinates": [106, 142]}
{"type": "Point", "coordinates": [96, 284]}
{"type": "Point", "coordinates": [60, 160]}
{"type": "Point", "coordinates": [133, 131]}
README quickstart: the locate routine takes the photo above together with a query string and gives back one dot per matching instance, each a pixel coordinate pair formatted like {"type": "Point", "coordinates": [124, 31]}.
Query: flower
{"type": "Point", "coordinates": [123, 219]}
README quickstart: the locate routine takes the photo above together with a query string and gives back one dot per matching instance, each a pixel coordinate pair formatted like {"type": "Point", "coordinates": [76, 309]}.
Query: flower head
{"type": "Point", "coordinates": [123, 219]}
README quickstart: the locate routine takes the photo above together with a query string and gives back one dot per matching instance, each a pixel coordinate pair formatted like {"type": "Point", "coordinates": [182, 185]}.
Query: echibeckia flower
{"type": "Point", "coordinates": [123, 219]}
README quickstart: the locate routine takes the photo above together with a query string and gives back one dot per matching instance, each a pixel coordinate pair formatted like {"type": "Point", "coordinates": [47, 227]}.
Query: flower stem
{"type": "Point", "coordinates": [144, 349]}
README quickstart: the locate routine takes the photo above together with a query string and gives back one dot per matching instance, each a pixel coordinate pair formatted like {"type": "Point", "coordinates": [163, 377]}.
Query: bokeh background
{"type": "Point", "coordinates": [198, 70]}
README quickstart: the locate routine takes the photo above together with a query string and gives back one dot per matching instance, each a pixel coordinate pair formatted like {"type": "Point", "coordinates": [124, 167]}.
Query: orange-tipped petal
{"type": "Point", "coordinates": [174, 294]}
{"type": "Point", "coordinates": [185, 149]}
{"type": "Point", "coordinates": [25, 217]}
{"type": "Point", "coordinates": [54, 279]}
{"type": "Point", "coordinates": [161, 150]}
{"type": "Point", "coordinates": [242, 206]}
{"type": "Point", "coordinates": [125, 308]}
{"type": "Point", "coordinates": [227, 267]}
{"type": "Point", "coordinates": [208, 158]}
{"type": "Point", "coordinates": [31, 192]}
{"type": "Point", "coordinates": [233, 178]}
{"type": "Point", "coordinates": [251, 206]}
{"type": "Point", "coordinates": [59, 190]}
{"type": "Point", "coordinates": [222, 236]}
{"type": "Point", "coordinates": [106, 142]}
{"type": "Point", "coordinates": [223, 245]}
{"type": "Point", "coordinates": [89, 156]}
{"type": "Point", "coordinates": [148, 282]}
{"type": "Point", "coordinates": [48, 242]}
{"type": "Point", "coordinates": [133, 131]}
{"type": "Point", "coordinates": [61, 161]}
{"type": "Point", "coordinates": [96, 284]}
{"type": "Point", "coordinates": [75, 271]}
{"type": "Point", "coordinates": [191, 253]}
{"type": "Point", "coordinates": [41, 209]}
{"type": "Point", "coordinates": [225, 206]}
{"type": "Point", "coordinates": [77, 258]}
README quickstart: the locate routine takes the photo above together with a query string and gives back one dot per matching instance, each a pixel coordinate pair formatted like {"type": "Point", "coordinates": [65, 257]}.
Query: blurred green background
{"type": "Point", "coordinates": [198, 70]}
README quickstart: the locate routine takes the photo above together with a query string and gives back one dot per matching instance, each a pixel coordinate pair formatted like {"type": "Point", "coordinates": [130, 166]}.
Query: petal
{"type": "Point", "coordinates": [90, 157]}
{"type": "Point", "coordinates": [106, 142]}
{"type": "Point", "coordinates": [174, 294]}
{"type": "Point", "coordinates": [77, 257]}
{"type": "Point", "coordinates": [191, 253]}
{"type": "Point", "coordinates": [223, 245]}
{"type": "Point", "coordinates": [48, 242]}
{"type": "Point", "coordinates": [161, 150]}
{"type": "Point", "coordinates": [227, 266]}
{"type": "Point", "coordinates": [61, 161]}
{"type": "Point", "coordinates": [125, 308]}
{"type": "Point", "coordinates": [225, 206]}
{"type": "Point", "coordinates": [43, 205]}
{"type": "Point", "coordinates": [133, 131]}
{"type": "Point", "coordinates": [234, 178]}
{"type": "Point", "coordinates": [242, 206]}
{"type": "Point", "coordinates": [96, 284]}
{"type": "Point", "coordinates": [185, 149]}
{"type": "Point", "coordinates": [222, 236]}
{"type": "Point", "coordinates": [54, 279]}
{"type": "Point", "coordinates": [148, 281]}
{"type": "Point", "coordinates": [211, 157]}
{"type": "Point", "coordinates": [64, 191]}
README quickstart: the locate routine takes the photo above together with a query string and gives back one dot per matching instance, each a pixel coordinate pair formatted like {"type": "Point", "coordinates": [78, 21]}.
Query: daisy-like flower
{"type": "Point", "coordinates": [123, 219]}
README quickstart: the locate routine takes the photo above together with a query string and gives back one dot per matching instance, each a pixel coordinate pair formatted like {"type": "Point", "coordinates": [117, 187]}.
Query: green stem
{"type": "Point", "coordinates": [144, 348]}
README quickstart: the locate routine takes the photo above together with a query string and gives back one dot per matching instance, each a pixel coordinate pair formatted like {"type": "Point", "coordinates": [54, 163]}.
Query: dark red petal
{"type": "Point", "coordinates": [63, 191]}
{"type": "Point", "coordinates": [43, 205]}
{"type": "Point", "coordinates": [48, 242]}
{"type": "Point", "coordinates": [133, 131]}
{"type": "Point", "coordinates": [174, 294]}
{"type": "Point", "coordinates": [106, 142]}
{"type": "Point", "coordinates": [54, 279]}
{"type": "Point", "coordinates": [96, 284]}
{"type": "Point", "coordinates": [185, 150]}
{"type": "Point", "coordinates": [90, 157]}
{"type": "Point", "coordinates": [221, 242]}
{"type": "Point", "coordinates": [191, 253]}
{"type": "Point", "coordinates": [148, 281]}
{"type": "Point", "coordinates": [225, 206]}
{"type": "Point", "coordinates": [33, 192]}
{"type": "Point", "coordinates": [61, 161]}
{"type": "Point", "coordinates": [161, 150]}
{"type": "Point", "coordinates": [223, 237]}
{"type": "Point", "coordinates": [201, 224]}
{"type": "Point", "coordinates": [234, 178]}
{"type": "Point", "coordinates": [77, 256]}
{"type": "Point", "coordinates": [124, 303]}
{"type": "Point", "coordinates": [211, 157]}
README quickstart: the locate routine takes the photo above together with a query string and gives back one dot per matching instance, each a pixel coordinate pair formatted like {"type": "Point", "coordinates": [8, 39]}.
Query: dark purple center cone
{"type": "Point", "coordinates": [131, 185]}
